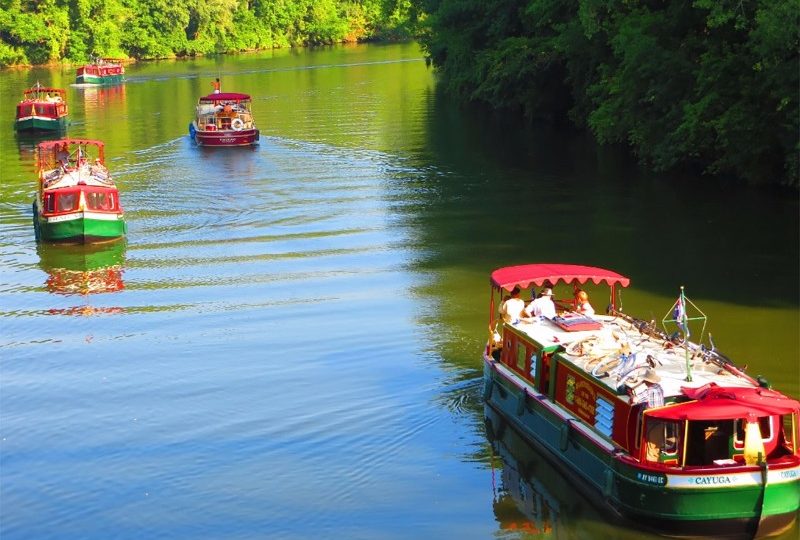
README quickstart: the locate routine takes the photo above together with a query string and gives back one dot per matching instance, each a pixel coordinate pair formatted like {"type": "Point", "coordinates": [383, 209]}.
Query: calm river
{"type": "Point", "coordinates": [288, 345]}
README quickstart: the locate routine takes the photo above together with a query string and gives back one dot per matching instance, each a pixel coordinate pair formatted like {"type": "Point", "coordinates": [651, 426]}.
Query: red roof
{"type": "Point", "coordinates": [225, 96]}
{"type": "Point", "coordinates": [58, 142]}
{"type": "Point", "coordinates": [525, 274]}
{"type": "Point", "coordinates": [714, 402]}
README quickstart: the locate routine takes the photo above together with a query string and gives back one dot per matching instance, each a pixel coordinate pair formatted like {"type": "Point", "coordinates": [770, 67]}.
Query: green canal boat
{"type": "Point", "coordinates": [41, 109]}
{"type": "Point", "coordinates": [77, 200]}
{"type": "Point", "coordinates": [669, 432]}
{"type": "Point", "coordinates": [101, 71]}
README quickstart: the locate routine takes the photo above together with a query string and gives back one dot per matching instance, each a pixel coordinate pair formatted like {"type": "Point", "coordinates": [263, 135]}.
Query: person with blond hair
{"type": "Point", "coordinates": [582, 304]}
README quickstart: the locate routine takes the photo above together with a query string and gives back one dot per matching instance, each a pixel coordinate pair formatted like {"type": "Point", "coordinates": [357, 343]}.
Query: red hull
{"type": "Point", "coordinates": [245, 137]}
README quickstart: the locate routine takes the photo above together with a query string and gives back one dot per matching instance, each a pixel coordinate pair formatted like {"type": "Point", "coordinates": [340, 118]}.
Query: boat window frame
{"type": "Point", "coordinates": [667, 454]}
{"type": "Point", "coordinates": [49, 203]}
{"type": "Point", "coordinates": [738, 444]}
{"type": "Point", "coordinates": [63, 194]}
{"type": "Point", "coordinates": [89, 193]}
{"type": "Point", "coordinates": [789, 425]}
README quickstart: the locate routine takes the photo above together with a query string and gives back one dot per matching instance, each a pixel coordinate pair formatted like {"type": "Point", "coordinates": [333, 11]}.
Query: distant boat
{"type": "Point", "coordinates": [224, 119]}
{"type": "Point", "coordinates": [101, 71]}
{"type": "Point", "coordinates": [77, 200]}
{"type": "Point", "coordinates": [42, 109]}
{"type": "Point", "coordinates": [668, 431]}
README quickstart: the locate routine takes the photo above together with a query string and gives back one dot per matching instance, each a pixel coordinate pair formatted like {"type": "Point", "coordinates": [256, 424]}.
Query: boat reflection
{"type": "Point", "coordinates": [83, 270]}
{"type": "Point", "coordinates": [97, 97]}
{"type": "Point", "coordinates": [532, 497]}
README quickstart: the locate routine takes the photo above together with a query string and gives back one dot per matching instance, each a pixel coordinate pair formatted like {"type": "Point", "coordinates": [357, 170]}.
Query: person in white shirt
{"type": "Point", "coordinates": [582, 304]}
{"type": "Point", "coordinates": [543, 306]}
{"type": "Point", "coordinates": [512, 309]}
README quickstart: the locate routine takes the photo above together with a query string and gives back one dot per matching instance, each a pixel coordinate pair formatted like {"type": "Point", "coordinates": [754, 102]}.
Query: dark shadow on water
{"type": "Point", "coordinates": [495, 191]}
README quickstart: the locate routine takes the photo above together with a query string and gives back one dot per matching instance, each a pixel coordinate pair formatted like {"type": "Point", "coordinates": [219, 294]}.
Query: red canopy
{"type": "Point", "coordinates": [714, 402]}
{"type": "Point", "coordinates": [523, 275]}
{"type": "Point", "coordinates": [224, 96]}
{"type": "Point", "coordinates": [46, 145]}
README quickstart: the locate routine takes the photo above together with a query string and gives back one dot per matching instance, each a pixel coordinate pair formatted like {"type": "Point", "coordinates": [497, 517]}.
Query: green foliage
{"type": "Point", "coordinates": [709, 83]}
{"type": "Point", "coordinates": [43, 31]}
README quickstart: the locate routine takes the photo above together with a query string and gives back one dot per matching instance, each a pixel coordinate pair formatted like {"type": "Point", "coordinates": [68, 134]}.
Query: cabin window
{"type": "Point", "coordinates": [49, 203]}
{"type": "Point", "coordinates": [661, 441]}
{"type": "Point", "coordinates": [789, 434]}
{"type": "Point", "coordinates": [67, 202]}
{"type": "Point", "coordinates": [100, 201]}
{"type": "Point", "coordinates": [764, 425]}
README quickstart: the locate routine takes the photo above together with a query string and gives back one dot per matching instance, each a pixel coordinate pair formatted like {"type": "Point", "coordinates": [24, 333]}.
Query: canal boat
{"type": "Point", "coordinates": [41, 109]}
{"type": "Point", "coordinates": [667, 430]}
{"type": "Point", "coordinates": [77, 200]}
{"type": "Point", "coordinates": [101, 71]}
{"type": "Point", "coordinates": [224, 119]}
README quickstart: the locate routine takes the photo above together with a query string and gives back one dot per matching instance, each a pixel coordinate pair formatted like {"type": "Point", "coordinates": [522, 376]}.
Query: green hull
{"type": "Point", "coordinates": [94, 79]}
{"type": "Point", "coordinates": [662, 499]}
{"type": "Point", "coordinates": [41, 124]}
{"type": "Point", "coordinates": [80, 230]}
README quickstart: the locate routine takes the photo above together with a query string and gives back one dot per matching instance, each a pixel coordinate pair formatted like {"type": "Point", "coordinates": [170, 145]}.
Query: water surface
{"type": "Point", "coordinates": [288, 343]}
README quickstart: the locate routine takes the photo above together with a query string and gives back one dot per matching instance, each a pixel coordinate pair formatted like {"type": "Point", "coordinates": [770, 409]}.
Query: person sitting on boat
{"type": "Point", "coordinates": [62, 156]}
{"type": "Point", "coordinates": [226, 115]}
{"type": "Point", "coordinates": [513, 308]}
{"type": "Point", "coordinates": [99, 170]}
{"type": "Point", "coordinates": [543, 306]}
{"type": "Point", "coordinates": [582, 304]}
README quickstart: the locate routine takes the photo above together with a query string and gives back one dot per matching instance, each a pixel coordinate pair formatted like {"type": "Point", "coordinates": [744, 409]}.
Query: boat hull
{"type": "Point", "coordinates": [79, 227]}
{"type": "Point", "coordinates": [717, 502]}
{"type": "Point", "coordinates": [86, 78]}
{"type": "Point", "coordinates": [222, 138]}
{"type": "Point", "coordinates": [40, 123]}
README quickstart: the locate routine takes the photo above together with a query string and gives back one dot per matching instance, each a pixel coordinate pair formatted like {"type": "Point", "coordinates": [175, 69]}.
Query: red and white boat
{"type": "Point", "coordinates": [224, 119]}
{"type": "Point", "coordinates": [101, 71]}
{"type": "Point", "coordinates": [42, 109]}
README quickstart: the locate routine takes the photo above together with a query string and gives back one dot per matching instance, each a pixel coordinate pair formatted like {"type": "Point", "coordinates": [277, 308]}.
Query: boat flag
{"type": "Point", "coordinates": [679, 315]}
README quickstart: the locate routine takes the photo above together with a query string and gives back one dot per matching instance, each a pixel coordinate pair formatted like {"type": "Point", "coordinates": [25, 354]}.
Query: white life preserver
{"type": "Point", "coordinates": [237, 124]}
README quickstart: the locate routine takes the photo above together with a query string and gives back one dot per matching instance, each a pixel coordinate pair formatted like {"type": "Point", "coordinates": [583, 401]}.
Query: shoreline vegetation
{"type": "Point", "coordinates": [67, 32]}
{"type": "Point", "coordinates": [704, 85]}
{"type": "Point", "coordinates": [709, 86]}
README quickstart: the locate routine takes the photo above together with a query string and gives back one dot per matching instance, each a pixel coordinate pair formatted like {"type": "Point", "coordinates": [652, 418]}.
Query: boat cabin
{"type": "Point", "coordinates": [658, 399]}
{"type": "Point", "coordinates": [224, 111]}
{"type": "Point", "coordinates": [42, 101]}
{"type": "Point", "coordinates": [102, 68]}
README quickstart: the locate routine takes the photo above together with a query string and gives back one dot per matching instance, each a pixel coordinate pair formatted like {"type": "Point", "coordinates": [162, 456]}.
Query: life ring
{"type": "Point", "coordinates": [237, 124]}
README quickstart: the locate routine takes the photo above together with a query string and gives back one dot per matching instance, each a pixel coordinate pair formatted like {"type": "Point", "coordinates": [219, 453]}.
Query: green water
{"type": "Point", "coordinates": [288, 343]}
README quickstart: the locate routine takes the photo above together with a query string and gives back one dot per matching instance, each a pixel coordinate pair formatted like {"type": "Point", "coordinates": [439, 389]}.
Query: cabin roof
{"type": "Point", "coordinates": [43, 89]}
{"type": "Point", "coordinates": [588, 351]}
{"type": "Point", "coordinates": [224, 96]}
{"type": "Point", "coordinates": [49, 145]}
{"type": "Point", "coordinates": [523, 275]}
{"type": "Point", "coordinates": [713, 402]}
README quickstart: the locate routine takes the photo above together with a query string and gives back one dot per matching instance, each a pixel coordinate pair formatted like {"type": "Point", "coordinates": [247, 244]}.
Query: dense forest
{"type": "Point", "coordinates": [707, 84]}
{"type": "Point", "coordinates": [710, 85]}
{"type": "Point", "coordinates": [45, 31]}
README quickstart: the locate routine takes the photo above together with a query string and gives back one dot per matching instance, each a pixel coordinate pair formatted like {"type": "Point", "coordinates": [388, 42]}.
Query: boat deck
{"type": "Point", "coordinates": [602, 352]}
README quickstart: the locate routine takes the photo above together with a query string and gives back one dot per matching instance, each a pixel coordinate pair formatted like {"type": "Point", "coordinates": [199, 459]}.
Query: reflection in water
{"type": "Point", "coordinates": [98, 97]}
{"type": "Point", "coordinates": [83, 269]}
{"type": "Point", "coordinates": [534, 497]}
